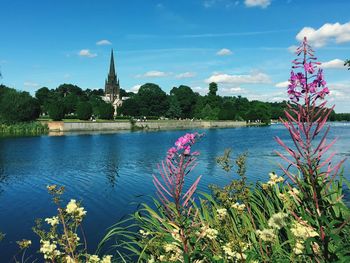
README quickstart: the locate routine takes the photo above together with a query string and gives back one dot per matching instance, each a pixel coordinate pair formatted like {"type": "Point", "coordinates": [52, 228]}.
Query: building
{"type": "Point", "coordinates": [112, 87]}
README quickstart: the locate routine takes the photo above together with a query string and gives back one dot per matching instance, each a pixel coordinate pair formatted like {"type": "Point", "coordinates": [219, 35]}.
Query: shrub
{"type": "Point", "coordinates": [56, 110]}
{"type": "Point", "coordinates": [84, 111]}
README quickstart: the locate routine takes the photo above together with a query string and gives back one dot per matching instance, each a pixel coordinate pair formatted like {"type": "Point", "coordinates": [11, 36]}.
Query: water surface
{"type": "Point", "coordinates": [110, 172]}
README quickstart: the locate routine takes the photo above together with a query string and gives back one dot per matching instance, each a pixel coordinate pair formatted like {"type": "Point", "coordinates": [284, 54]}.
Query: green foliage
{"type": "Point", "coordinates": [208, 113]}
{"type": "Point", "coordinates": [56, 110]}
{"type": "Point", "coordinates": [186, 99]}
{"type": "Point", "coordinates": [152, 100]}
{"type": "Point", "coordinates": [24, 128]}
{"type": "Point", "coordinates": [84, 111]}
{"type": "Point", "coordinates": [347, 63]}
{"type": "Point", "coordinates": [213, 88]}
{"type": "Point", "coordinates": [105, 111]}
{"type": "Point", "coordinates": [17, 106]}
{"type": "Point", "coordinates": [174, 110]}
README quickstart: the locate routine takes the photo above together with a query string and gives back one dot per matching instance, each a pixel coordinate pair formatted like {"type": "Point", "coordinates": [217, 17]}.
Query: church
{"type": "Point", "coordinates": [112, 87]}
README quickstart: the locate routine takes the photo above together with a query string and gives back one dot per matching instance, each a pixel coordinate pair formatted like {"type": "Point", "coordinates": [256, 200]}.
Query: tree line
{"type": "Point", "coordinates": [70, 101]}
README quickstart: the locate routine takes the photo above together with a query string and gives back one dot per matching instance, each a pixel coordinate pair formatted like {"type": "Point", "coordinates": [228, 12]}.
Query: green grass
{"type": "Point", "coordinates": [24, 128]}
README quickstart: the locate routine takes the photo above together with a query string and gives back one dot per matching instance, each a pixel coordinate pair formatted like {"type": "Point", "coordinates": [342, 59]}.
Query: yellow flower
{"type": "Point", "coordinates": [52, 221]}
{"type": "Point", "coordinates": [277, 220]}
{"type": "Point", "coordinates": [302, 230]}
{"type": "Point", "coordinates": [94, 259]}
{"type": "Point", "coordinates": [209, 232]}
{"type": "Point", "coordinates": [72, 206]}
{"type": "Point", "coordinates": [74, 209]}
{"type": "Point", "coordinates": [299, 247]}
{"type": "Point", "coordinates": [267, 234]}
{"type": "Point", "coordinates": [69, 259]}
{"type": "Point", "coordinates": [49, 249]}
{"type": "Point", "coordinates": [274, 179]}
{"type": "Point", "coordinates": [238, 207]}
{"type": "Point", "coordinates": [106, 259]}
{"type": "Point", "coordinates": [293, 192]}
{"type": "Point", "coordinates": [24, 243]}
{"type": "Point", "coordinates": [222, 212]}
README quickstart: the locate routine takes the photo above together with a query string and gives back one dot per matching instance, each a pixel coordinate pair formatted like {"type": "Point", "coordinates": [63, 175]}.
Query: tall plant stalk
{"type": "Point", "coordinates": [306, 117]}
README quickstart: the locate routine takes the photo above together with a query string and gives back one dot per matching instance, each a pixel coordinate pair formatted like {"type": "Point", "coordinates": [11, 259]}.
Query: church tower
{"type": "Point", "coordinates": [112, 88]}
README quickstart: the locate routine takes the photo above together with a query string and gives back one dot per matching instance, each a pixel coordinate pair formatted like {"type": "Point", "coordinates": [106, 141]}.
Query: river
{"type": "Point", "coordinates": [109, 173]}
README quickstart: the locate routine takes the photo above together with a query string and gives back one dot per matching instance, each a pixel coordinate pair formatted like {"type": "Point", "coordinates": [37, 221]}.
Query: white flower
{"type": "Point", "coordinates": [94, 259]}
{"type": "Point", "coordinates": [239, 207]}
{"type": "Point", "coordinates": [49, 249]}
{"type": "Point", "coordinates": [52, 221]}
{"type": "Point", "coordinates": [267, 234]}
{"type": "Point", "coordinates": [209, 232]}
{"type": "Point", "coordinates": [302, 230]}
{"type": "Point", "coordinates": [222, 212]}
{"type": "Point", "coordinates": [69, 259]}
{"type": "Point", "coordinates": [74, 209]}
{"type": "Point", "coordinates": [106, 259]}
{"type": "Point", "coordinates": [277, 220]}
{"type": "Point", "coordinates": [71, 206]}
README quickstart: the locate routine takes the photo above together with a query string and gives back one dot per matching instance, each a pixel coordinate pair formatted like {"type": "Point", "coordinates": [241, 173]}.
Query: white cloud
{"type": "Point", "coordinates": [185, 75]}
{"type": "Point", "coordinates": [254, 78]}
{"type": "Point", "coordinates": [30, 84]}
{"type": "Point", "coordinates": [134, 88]}
{"type": "Point", "coordinates": [103, 42]}
{"type": "Point", "coordinates": [86, 53]}
{"type": "Point", "coordinates": [339, 33]}
{"type": "Point", "coordinates": [224, 52]}
{"type": "Point", "coordinates": [283, 84]}
{"type": "Point", "coordinates": [257, 3]}
{"type": "Point", "coordinates": [335, 63]}
{"type": "Point", "coordinates": [200, 90]}
{"type": "Point", "coordinates": [292, 49]}
{"type": "Point", "coordinates": [232, 91]}
{"type": "Point", "coordinates": [153, 74]}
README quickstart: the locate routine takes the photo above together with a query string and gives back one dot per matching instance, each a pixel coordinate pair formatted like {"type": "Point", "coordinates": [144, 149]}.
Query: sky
{"type": "Point", "coordinates": [246, 46]}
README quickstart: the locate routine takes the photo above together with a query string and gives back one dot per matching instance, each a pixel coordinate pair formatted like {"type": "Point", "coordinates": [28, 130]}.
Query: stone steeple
{"type": "Point", "coordinates": [112, 87]}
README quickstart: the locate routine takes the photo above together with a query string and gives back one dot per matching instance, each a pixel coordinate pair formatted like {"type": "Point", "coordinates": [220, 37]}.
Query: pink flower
{"type": "Point", "coordinates": [309, 68]}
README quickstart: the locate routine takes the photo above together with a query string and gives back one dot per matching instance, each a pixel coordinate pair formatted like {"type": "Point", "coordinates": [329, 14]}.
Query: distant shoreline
{"type": "Point", "coordinates": [60, 126]}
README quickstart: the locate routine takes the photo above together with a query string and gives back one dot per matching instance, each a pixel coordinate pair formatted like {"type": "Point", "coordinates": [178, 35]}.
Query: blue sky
{"type": "Point", "coordinates": [244, 45]}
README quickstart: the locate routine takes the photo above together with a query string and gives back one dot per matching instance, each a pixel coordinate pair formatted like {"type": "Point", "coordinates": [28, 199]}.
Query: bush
{"type": "Point", "coordinates": [106, 111]}
{"type": "Point", "coordinates": [56, 110]}
{"type": "Point", "coordinates": [84, 111]}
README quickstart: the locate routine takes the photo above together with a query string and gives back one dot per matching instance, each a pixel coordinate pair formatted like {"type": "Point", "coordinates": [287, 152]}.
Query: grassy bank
{"type": "Point", "coordinates": [24, 128]}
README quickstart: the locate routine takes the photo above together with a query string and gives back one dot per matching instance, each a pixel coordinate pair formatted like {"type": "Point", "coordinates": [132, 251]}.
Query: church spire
{"type": "Point", "coordinates": [111, 66]}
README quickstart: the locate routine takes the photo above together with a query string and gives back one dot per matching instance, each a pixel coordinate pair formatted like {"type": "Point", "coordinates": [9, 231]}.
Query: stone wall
{"type": "Point", "coordinates": [149, 125]}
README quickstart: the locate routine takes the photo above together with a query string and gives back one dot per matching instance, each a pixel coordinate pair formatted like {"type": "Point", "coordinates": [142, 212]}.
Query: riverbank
{"type": "Point", "coordinates": [60, 126]}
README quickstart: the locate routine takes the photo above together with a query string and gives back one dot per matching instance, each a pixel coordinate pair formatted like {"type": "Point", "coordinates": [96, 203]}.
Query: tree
{"type": "Point", "coordinates": [227, 111]}
{"type": "Point", "coordinates": [130, 107]}
{"type": "Point", "coordinates": [152, 100]}
{"type": "Point", "coordinates": [347, 63]}
{"type": "Point", "coordinates": [43, 95]}
{"type": "Point", "coordinates": [208, 113]}
{"type": "Point", "coordinates": [18, 106]}
{"type": "Point", "coordinates": [56, 110]}
{"type": "Point", "coordinates": [187, 100]}
{"type": "Point", "coordinates": [84, 110]}
{"type": "Point", "coordinates": [213, 88]}
{"type": "Point", "coordinates": [105, 111]}
{"type": "Point", "coordinates": [70, 102]}
{"type": "Point", "coordinates": [174, 110]}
